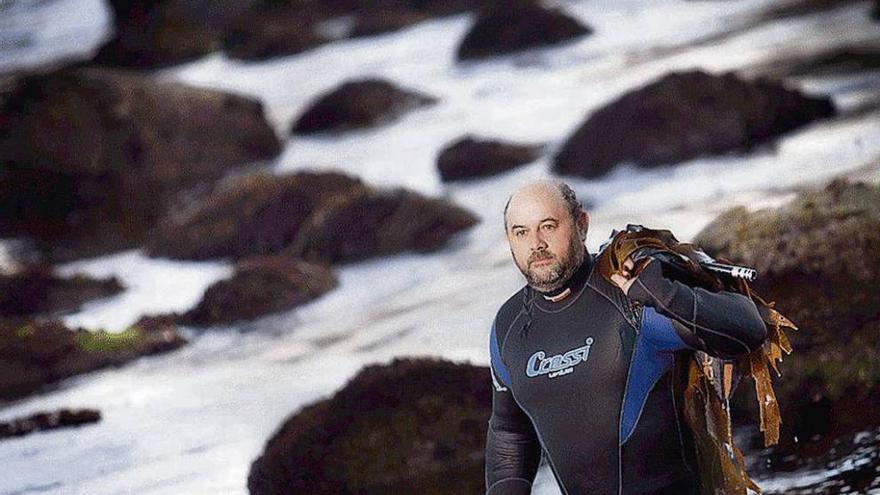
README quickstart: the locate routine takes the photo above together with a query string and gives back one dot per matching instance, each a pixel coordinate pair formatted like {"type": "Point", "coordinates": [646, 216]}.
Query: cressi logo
{"type": "Point", "coordinates": [559, 364]}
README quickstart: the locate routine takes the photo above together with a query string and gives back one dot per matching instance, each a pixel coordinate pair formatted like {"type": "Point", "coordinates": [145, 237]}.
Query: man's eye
{"type": "Point", "coordinates": [519, 233]}
{"type": "Point", "coordinates": [548, 226]}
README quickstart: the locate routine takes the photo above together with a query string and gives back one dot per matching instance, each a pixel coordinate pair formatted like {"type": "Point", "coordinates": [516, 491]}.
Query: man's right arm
{"type": "Point", "coordinates": [512, 448]}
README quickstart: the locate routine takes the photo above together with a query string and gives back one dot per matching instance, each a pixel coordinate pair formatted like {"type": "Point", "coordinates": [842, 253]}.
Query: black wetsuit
{"type": "Point", "coordinates": [588, 379]}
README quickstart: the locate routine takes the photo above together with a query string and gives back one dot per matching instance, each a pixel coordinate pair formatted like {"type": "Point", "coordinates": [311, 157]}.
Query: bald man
{"type": "Point", "coordinates": [581, 367]}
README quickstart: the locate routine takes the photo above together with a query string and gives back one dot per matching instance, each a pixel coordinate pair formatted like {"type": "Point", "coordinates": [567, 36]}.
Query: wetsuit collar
{"type": "Point", "coordinates": [574, 284]}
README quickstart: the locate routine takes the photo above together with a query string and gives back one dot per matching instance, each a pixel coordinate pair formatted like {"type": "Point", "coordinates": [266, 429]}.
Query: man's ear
{"type": "Point", "coordinates": [583, 224]}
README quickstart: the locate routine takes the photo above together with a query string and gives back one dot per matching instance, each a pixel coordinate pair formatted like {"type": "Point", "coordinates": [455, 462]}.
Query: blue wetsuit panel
{"type": "Point", "coordinates": [495, 356]}
{"type": "Point", "coordinates": [652, 358]}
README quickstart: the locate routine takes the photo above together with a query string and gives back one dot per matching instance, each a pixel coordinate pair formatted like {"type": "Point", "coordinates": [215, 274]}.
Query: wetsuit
{"type": "Point", "coordinates": [588, 380]}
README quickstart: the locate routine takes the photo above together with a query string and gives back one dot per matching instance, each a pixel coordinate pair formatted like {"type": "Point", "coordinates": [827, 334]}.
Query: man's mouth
{"type": "Point", "coordinates": [541, 261]}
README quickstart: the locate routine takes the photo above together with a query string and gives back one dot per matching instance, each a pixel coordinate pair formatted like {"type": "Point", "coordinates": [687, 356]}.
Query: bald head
{"type": "Point", "coordinates": [545, 190]}
{"type": "Point", "coordinates": [546, 227]}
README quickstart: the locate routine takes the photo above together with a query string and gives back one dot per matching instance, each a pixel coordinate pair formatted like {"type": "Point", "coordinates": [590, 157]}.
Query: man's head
{"type": "Point", "coordinates": [546, 228]}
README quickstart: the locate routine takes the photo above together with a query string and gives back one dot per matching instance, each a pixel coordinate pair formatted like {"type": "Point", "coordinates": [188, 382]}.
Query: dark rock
{"type": "Point", "coordinates": [257, 214]}
{"type": "Point", "coordinates": [875, 13]}
{"type": "Point", "coordinates": [36, 290]}
{"type": "Point", "coordinates": [36, 353]}
{"type": "Point", "coordinates": [683, 116]}
{"type": "Point", "coordinates": [89, 157]}
{"type": "Point", "coordinates": [377, 223]}
{"type": "Point", "coordinates": [841, 60]}
{"type": "Point", "coordinates": [359, 104]}
{"type": "Point", "coordinates": [164, 323]}
{"type": "Point", "coordinates": [777, 11]}
{"type": "Point", "coordinates": [273, 30]}
{"type": "Point", "coordinates": [378, 22]}
{"type": "Point", "coordinates": [261, 285]}
{"type": "Point", "coordinates": [284, 28]}
{"type": "Point", "coordinates": [851, 467]}
{"type": "Point", "coordinates": [150, 34]}
{"type": "Point", "coordinates": [61, 418]}
{"type": "Point", "coordinates": [513, 25]}
{"type": "Point", "coordinates": [471, 157]}
{"type": "Point", "coordinates": [414, 426]}
{"type": "Point", "coordinates": [325, 217]}
{"type": "Point", "coordinates": [819, 259]}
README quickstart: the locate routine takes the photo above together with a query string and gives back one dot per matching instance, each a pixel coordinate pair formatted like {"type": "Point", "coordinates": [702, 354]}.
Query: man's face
{"type": "Point", "coordinates": [544, 240]}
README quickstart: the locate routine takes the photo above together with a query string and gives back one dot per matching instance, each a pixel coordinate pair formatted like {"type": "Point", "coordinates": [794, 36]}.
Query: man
{"type": "Point", "coordinates": [581, 367]}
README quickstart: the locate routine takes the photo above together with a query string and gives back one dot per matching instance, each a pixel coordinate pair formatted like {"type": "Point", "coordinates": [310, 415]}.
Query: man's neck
{"type": "Point", "coordinates": [577, 278]}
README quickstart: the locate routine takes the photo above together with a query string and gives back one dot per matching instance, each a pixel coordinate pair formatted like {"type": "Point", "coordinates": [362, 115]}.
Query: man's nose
{"type": "Point", "coordinates": [537, 242]}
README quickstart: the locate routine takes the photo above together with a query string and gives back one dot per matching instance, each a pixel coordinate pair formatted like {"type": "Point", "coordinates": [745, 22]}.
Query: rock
{"type": "Point", "coordinates": [777, 11]}
{"type": "Point", "coordinates": [151, 34]}
{"type": "Point", "coordinates": [89, 157]}
{"type": "Point", "coordinates": [819, 259]}
{"type": "Point", "coordinates": [685, 115]}
{"type": "Point", "coordinates": [257, 214]}
{"type": "Point", "coordinates": [260, 285]}
{"type": "Point", "coordinates": [272, 30]}
{"type": "Point", "coordinates": [471, 157]}
{"type": "Point", "coordinates": [37, 353]}
{"type": "Point", "coordinates": [36, 290]}
{"type": "Point", "coordinates": [359, 104]}
{"type": "Point", "coordinates": [414, 426]}
{"type": "Point", "coordinates": [377, 223]}
{"type": "Point", "coordinates": [165, 32]}
{"type": "Point", "coordinates": [60, 418]}
{"type": "Point", "coordinates": [386, 16]}
{"type": "Point", "coordinates": [850, 467]}
{"type": "Point", "coordinates": [513, 25]}
{"type": "Point", "coordinates": [325, 217]}
{"type": "Point", "coordinates": [875, 13]}
{"type": "Point", "coordinates": [840, 60]}
{"type": "Point", "coordinates": [165, 324]}
{"type": "Point", "coordinates": [276, 29]}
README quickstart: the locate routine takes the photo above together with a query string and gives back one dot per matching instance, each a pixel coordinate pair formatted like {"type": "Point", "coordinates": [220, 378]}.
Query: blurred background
{"type": "Point", "coordinates": [256, 246]}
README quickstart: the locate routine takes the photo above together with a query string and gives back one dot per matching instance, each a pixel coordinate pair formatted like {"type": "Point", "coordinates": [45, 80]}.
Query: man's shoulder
{"type": "Point", "coordinates": [509, 312]}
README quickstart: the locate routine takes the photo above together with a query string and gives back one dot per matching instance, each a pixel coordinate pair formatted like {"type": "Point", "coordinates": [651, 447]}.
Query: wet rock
{"type": "Point", "coordinates": [819, 259]}
{"type": "Point", "coordinates": [261, 285]}
{"type": "Point", "coordinates": [851, 468]}
{"type": "Point", "coordinates": [514, 25]}
{"type": "Point", "coordinates": [89, 157]}
{"type": "Point", "coordinates": [274, 29]}
{"type": "Point", "coordinates": [376, 223]}
{"type": "Point", "coordinates": [325, 217]}
{"type": "Point", "coordinates": [685, 115]}
{"type": "Point", "coordinates": [284, 28]}
{"type": "Point", "coordinates": [37, 290]}
{"type": "Point", "coordinates": [473, 157]}
{"type": "Point", "coordinates": [164, 324]}
{"type": "Point", "coordinates": [35, 353]}
{"type": "Point", "coordinates": [359, 104]}
{"type": "Point", "coordinates": [414, 426]}
{"type": "Point", "coordinates": [60, 418]}
{"type": "Point", "coordinates": [256, 214]}
{"type": "Point", "coordinates": [798, 8]}
{"type": "Point", "coordinates": [150, 34]}
{"type": "Point", "coordinates": [842, 60]}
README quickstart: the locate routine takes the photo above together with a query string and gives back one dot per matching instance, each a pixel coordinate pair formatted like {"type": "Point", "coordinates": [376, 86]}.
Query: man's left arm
{"type": "Point", "coordinates": [723, 324]}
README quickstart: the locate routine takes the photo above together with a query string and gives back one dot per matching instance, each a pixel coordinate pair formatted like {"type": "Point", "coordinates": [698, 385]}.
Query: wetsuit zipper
{"type": "Point", "coordinates": [620, 416]}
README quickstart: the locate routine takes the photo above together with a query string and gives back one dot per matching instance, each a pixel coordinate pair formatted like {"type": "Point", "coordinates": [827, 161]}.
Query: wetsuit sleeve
{"type": "Point", "coordinates": [722, 324]}
{"type": "Point", "coordinates": [512, 448]}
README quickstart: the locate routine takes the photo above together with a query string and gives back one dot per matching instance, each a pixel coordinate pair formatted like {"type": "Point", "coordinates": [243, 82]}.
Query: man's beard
{"type": "Point", "coordinates": [556, 274]}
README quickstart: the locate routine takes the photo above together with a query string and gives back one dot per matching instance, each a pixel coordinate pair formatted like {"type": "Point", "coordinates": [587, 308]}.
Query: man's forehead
{"type": "Point", "coordinates": [535, 202]}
